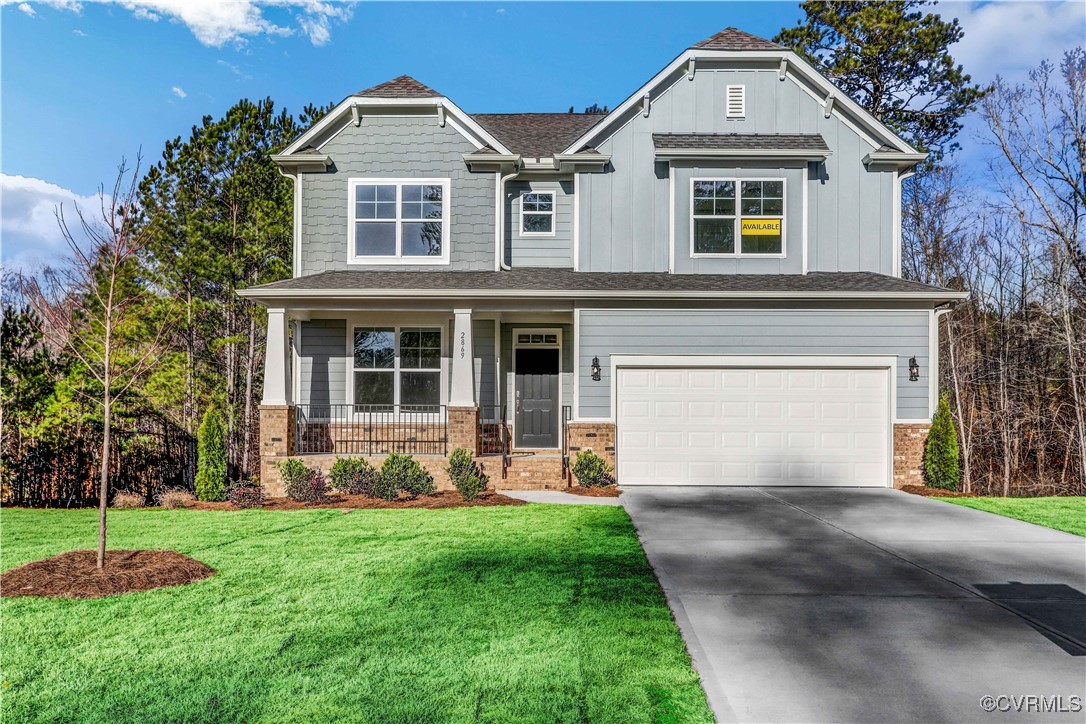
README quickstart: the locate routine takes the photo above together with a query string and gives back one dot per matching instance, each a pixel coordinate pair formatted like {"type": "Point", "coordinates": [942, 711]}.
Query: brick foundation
{"type": "Point", "coordinates": [597, 436]}
{"type": "Point", "coordinates": [276, 444]}
{"type": "Point", "coordinates": [909, 441]}
{"type": "Point", "coordinates": [463, 429]}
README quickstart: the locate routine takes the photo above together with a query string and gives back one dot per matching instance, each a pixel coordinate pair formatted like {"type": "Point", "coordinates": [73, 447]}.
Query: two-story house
{"type": "Point", "coordinates": [703, 285]}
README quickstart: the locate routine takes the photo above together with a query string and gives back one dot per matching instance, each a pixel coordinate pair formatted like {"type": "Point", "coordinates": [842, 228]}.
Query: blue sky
{"type": "Point", "coordinates": [83, 84]}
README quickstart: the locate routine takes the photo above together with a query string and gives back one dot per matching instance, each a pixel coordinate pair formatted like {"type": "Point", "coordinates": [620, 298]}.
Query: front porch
{"type": "Point", "coordinates": [372, 382]}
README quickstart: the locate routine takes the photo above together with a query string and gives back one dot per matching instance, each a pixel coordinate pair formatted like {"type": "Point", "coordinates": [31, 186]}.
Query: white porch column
{"type": "Point", "coordinates": [277, 387]}
{"type": "Point", "coordinates": [462, 393]}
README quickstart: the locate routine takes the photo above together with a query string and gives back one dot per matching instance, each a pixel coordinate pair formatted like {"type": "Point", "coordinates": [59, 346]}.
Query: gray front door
{"type": "Point", "coordinates": [536, 398]}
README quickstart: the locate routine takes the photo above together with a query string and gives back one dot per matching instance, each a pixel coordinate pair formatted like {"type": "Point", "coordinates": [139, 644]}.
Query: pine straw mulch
{"type": "Point", "coordinates": [440, 499]}
{"type": "Point", "coordinates": [927, 492]}
{"type": "Point", "coordinates": [75, 574]}
{"type": "Point", "coordinates": [611, 491]}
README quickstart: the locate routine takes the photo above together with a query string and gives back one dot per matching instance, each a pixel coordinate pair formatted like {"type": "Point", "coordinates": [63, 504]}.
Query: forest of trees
{"type": "Point", "coordinates": [172, 243]}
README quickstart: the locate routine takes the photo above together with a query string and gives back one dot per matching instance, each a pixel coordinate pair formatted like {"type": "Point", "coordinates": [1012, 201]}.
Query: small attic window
{"type": "Point", "coordinates": [736, 101]}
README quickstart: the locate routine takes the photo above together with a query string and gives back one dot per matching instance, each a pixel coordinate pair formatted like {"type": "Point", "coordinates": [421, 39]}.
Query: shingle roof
{"type": "Point", "coordinates": [566, 282]}
{"type": "Point", "coordinates": [735, 39]}
{"type": "Point", "coordinates": [403, 87]}
{"type": "Point", "coordinates": [742, 141]}
{"type": "Point", "coordinates": [537, 135]}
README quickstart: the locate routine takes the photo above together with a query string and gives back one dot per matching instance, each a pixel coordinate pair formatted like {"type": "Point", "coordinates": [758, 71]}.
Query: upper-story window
{"type": "Point", "coordinates": [398, 221]}
{"type": "Point", "coordinates": [537, 213]}
{"type": "Point", "coordinates": [737, 217]}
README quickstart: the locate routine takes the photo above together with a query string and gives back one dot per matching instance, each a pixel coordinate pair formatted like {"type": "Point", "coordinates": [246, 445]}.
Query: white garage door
{"type": "Point", "coordinates": [753, 426]}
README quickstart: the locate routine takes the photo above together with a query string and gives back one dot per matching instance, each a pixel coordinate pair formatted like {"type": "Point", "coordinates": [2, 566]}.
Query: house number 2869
{"type": "Point", "coordinates": [463, 344]}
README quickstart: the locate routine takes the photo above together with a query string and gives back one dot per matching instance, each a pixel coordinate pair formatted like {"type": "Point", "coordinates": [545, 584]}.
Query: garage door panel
{"type": "Point", "coordinates": [753, 427]}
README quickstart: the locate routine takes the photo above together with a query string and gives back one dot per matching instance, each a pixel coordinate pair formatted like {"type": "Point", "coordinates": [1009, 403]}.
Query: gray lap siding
{"type": "Point", "coordinates": [607, 332]}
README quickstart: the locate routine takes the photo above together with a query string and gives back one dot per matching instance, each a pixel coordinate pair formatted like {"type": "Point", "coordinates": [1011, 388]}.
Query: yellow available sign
{"type": "Point", "coordinates": [761, 227]}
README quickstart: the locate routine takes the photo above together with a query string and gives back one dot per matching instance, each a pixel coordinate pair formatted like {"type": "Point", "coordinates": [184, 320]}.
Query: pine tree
{"type": "Point", "coordinates": [941, 466]}
{"type": "Point", "coordinates": [211, 458]}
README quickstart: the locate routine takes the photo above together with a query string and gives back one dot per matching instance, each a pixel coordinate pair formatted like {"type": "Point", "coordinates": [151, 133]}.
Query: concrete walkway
{"type": "Point", "coordinates": [557, 496]}
{"type": "Point", "coordinates": [850, 605]}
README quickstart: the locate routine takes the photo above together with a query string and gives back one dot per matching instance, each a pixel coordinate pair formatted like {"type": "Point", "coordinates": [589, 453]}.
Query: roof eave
{"type": "Point", "coordinates": [302, 161]}
{"type": "Point", "coordinates": [898, 159]}
{"type": "Point", "coordinates": [812, 154]}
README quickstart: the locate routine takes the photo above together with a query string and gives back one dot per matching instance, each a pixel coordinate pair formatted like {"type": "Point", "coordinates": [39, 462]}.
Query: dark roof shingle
{"type": "Point", "coordinates": [742, 141]}
{"type": "Point", "coordinates": [735, 39]}
{"type": "Point", "coordinates": [537, 135]}
{"type": "Point", "coordinates": [403, 87]}
{"type": "Point", "coordinates": [566, 282]}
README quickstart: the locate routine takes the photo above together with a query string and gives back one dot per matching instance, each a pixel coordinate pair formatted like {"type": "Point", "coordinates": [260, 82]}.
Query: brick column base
{"type": "Point", "coordinates": [463, 429]}
{"type": "Point", "coordinates": [909, 439]}
{"type": "Point", "coordinates": [276, 444]}
{"type": "Point", "coordinates": [597, 436]}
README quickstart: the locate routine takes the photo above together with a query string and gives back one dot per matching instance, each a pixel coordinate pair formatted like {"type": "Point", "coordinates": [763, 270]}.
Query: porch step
{"type": "Point", "coordinates": [533, 471]}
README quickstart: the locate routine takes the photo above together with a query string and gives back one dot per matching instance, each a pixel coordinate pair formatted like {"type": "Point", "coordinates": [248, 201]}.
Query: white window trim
{"type": "Point", "coordinates": [738, 253]}
{"type": "Point", "coordinates": [516, 331]}
{"type": "Point", "coordinates": [446, 221]}
{"type": "Point", "coordinates": [396, 369]}
{"type": "Point", "coordinates": [551, 213]}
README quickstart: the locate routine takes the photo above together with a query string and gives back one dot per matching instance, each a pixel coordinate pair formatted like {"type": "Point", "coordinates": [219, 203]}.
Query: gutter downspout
{"type": "Point", "coordinates": [500, 235]}
{"type": "Point", "coordinates": [296, 245]}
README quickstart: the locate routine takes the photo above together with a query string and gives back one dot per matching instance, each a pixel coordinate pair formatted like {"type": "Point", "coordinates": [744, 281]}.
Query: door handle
{"type": "Point", "coordinates": [518, 400]}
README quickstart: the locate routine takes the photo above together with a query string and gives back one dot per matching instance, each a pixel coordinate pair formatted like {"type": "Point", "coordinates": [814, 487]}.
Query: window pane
{"type": "Point", "coordinates": [411, 209]}
{"type": "Point", "coordinates": [431, 337]}
{"type": "Point", "coordinates": [365, 193]}
{"type": "Point", "coordinates": [752, 207]}
{"type": "Point", "coordinates": [373, 388]}
{"type": "Point", "coordinates": [773, 206]}
{"type": "Point", "coordinates": [430, 359]}
{"type": "Point", "coordinates": [704, 189]}
{"type": "Point", "coordinates": [420, 388]}
{"type": "Point", "coordinates": [387, 192]}
{"type": "Point", "coordinates": [703, 206]}
{"type": "Point", "coordinates": [365, 210]}
{"type": "Point", "coordinates": [412, 193]}
{"type": "Point", "coordinates": [431, 193]}
{"type": "Point", "coordinates": [725, 189]}
{"type": "Point", "coordinates": [375, 238]}
{"type": "Point", "coordinates": [773, 189]}
{"type": "Point", "coordinates": [538, 223]}
{"type": "Point", "coordinates": [523, 339]}
{"type": "Point", "coordinates": [551, 339]}
{"type": "Point", "coordinates": [409, 358]}
{"type": "Point", "coordinates": [725, 207]}
{"type": "Point", "coordinates": [714, 236]}
{"type": "Point", "coordinates": [374, 348]}
{"type": "Point", "coordinates": [422, 239]}
{"type": "Point", "coordinates": [752, 189]}
{"type": "Point", "coordinates": [409, 339]}
{"type": "Point", "coordinates": [431, 210]}
{"type": "Point", "coordinates": [760, 244]}
{"type": "Point", "coordinates": [386, 210]}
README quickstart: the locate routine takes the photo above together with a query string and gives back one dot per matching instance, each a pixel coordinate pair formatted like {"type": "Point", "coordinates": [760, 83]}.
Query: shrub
{"type": "Point", "coordinates": [174, 498]}
{"type": "Point", "coordinates": [941, 463]}
{"type": "Point", "coordinates": [127, 499]}
{"type": "Point", "coordinates": [246, 495]}
{"type": "Point", "coordinates": [295, 476]}
{"type": "Point", "coordinates": [403, 473]}
{"type": "Point", "coordinates": [591, 470]}
{"type": "Point", "coordinates": [353, 476]}
{"type": "Point", "coordinates": [316, 487]}
{"type": "Point", "coordinates": [466, 474]}
{"type": "Point", "coordinates": [211, 457]}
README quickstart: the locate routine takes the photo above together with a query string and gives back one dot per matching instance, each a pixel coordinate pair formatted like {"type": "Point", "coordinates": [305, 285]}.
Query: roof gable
{"type": "Point", "coordinates": [402, 87]}
{"type": "Point", "coordinates": [735, 39]}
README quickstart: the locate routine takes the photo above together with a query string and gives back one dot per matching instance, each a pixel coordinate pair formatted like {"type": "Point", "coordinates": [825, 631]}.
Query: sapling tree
{"type": "Point", "coordinates": [941, 464]}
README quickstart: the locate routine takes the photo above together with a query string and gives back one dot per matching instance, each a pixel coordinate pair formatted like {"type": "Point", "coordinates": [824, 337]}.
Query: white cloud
{"type": "Point", "coordinates": [216, 23]}
{"type": "Point", "coordinates": [1009, 38]}
{"type": "Point", "coordinates": [179, 91]}
{"type": "Point", "coordinates": [79, 32]}
{"type": "Point", "coordinates": [236, 70]}
{"type": "Point", "coordinates": [502, 11]}
{"type": "Point", "coordinates": [28, 9]}
{"type": "Point", "coordinates": [29, 234]}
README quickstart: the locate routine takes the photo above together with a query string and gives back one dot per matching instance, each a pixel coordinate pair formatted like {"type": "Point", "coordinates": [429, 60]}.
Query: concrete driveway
{"type": "Point", "coordinates": [852, 605]}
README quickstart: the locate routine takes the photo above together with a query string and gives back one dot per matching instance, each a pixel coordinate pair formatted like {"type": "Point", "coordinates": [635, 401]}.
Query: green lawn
{"type": "Point", "coordinates": [1062, 513]}
{"type": "Point", "coordinates": [535, 613]}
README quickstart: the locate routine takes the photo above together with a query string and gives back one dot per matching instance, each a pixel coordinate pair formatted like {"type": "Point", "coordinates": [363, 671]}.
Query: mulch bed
{"type": "Point", "coordinates": [75, 574]}
{"type": "Point", "coordinates": [611, 491]}
{"type": "Point", "coordinates": [441, 499]}
{"type": "Point", "coordinates": [927, 492]}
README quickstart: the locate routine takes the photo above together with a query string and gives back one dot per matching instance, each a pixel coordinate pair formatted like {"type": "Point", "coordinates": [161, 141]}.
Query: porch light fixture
{"type": "Point", "coordinates": [914, 370]}
{"type": "Point", "coordinates": [595, 369]}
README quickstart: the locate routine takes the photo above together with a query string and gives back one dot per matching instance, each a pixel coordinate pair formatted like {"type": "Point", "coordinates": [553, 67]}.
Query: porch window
{"type": "Point", "coordinates": [399, 221]}
{"type": "Point", "coordinates": [397, 366]}
{"type": "Point", "coordinates": [737, 217]}
{"type": "Point", "coordinates": [537, 214]}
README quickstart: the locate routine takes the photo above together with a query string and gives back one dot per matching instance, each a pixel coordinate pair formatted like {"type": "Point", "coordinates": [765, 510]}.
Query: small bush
{"type": "Point", "coordinates": [403, 473]}
{"type": "Point", "coordinates": [352, 476]}
{"type": "Point", "coordinates": [316, 487]}
{"type": "Point", "coordinates": [941, 454]}
{"type": "Point", "coordinates": [174, 498]}
{"type": "Point", "coordinates": [211, 457]}
{"type": "Point", "coordinates": [246, 495]}
{"type": "Point", "coordinates": [466, 474]}
{"type": "Point", "coordinates": [592, 471]}
{"type": "Point", "coordinates": [295, 476]}
{"type": "Point", "coordinates": [126, 499]}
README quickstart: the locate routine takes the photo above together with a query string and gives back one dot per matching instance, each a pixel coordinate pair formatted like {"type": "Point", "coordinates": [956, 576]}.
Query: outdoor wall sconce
{"type": "Point", "coordinates": [595, 369]}
{"type": "Point", "coordinates": [914, 370]}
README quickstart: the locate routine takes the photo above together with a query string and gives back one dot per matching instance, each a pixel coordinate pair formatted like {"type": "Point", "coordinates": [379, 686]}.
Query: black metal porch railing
{"type": "Point", "coordinates": [494, 434]}
{"type": "Point", "coordinates": [371, 429]}
{"type": "Point", "coordinates": [567, 415]}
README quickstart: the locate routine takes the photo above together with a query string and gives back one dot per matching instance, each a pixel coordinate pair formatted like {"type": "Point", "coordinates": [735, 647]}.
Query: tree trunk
{"type": "Point", "coordinates": [247, 422]}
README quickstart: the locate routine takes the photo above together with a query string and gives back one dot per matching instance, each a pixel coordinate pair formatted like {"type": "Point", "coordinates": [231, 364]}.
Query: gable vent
{"type": "Point", "coordinates": [737, 101]}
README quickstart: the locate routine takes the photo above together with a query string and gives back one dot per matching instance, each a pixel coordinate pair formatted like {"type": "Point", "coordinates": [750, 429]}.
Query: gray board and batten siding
{"type": "Point", "coordinates": [396, 146]}
{"type": "Point", "coordinates": [899, 332]}
{"type": "Point", "coordinates": [625, 212]}
{"type": "Point", "coordinates": [554, 250]}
